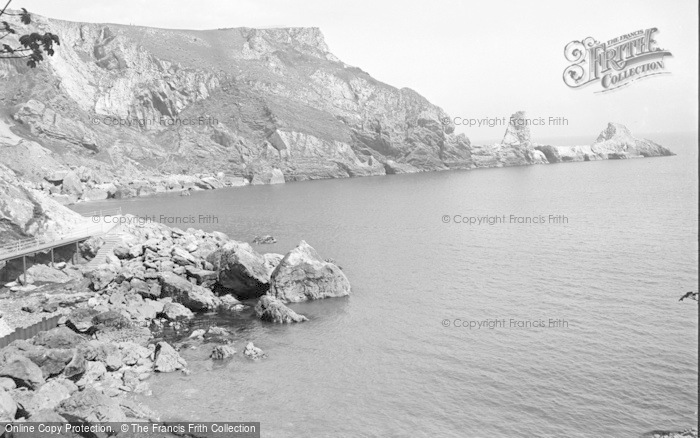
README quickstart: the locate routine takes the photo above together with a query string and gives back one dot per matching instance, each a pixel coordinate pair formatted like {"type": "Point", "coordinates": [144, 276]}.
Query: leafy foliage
{"type": "Point", "coordinates": [32, 46]}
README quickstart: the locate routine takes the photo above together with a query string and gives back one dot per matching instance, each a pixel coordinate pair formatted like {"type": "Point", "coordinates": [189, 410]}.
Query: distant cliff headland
{"type": "Point", "coordinates": [122, 111]}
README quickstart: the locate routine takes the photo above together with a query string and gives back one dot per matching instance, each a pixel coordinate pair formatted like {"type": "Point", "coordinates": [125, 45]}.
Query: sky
{"type": "Point", "coordinates": [477, 60]}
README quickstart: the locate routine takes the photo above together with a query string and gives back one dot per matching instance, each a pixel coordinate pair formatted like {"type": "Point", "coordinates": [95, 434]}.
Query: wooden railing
{"type": "Point", "coordinates": [95, 227]}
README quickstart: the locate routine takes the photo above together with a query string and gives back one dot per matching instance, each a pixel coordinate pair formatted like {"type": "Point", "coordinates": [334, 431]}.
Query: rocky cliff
{"type": "Point", "coordinates": [122, 111]}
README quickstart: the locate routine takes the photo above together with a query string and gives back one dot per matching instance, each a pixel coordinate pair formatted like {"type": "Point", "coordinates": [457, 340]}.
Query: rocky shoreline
{"type": "Point", "coordinates": [72, 184]}
{"type": "Point", "coordinates": [110, 340]}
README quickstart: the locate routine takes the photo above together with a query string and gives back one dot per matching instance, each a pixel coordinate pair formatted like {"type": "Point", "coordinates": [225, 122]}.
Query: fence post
{"type": "Point", "coordinates": [24, 269]}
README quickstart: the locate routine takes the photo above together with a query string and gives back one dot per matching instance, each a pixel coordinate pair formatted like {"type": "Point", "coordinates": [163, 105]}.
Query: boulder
{"type": "Point", "coordinates": [122, 251]}
{"type": "Point", "coordinates": [264, 240]}
{"type": "Point", "coordinates": [253, 352]}
{"type": "Point", "coordinates": [230, 303]}
{"type": "Point", "coordinates": [197, 298]}
{"type": "Point", "coordinates": [110, 319]}
{"type": "Point", "coordinates": [200, 299]}
{"type": "Point", "coordinates": [48, 397]}
{"type": "Point", "coordinates": [76, 367]}
{"type": "Point", "coordinates": [52, 362]}
{"type": "Point", "coordinates": [8, 407]}
{"type": "Point", "coordinates": [221, 352]}
{"type": "Point", "coordinates": [241, 270]}
{"type": "Point", "coordinates": [46, 274]}
{"type": "Point", "coordinates": [101, 277]}
{"type": "Point", "coordinates": [90, 406]}
{"type": "Point", "coordinates": [23, 371]}
{"type": "Point", "coordinates": [182, 257]}
{"type": "Point", "coordinates": [272, 260]}
{"type": "Point", "coordinates": [203, 277]}
{"type": "Point", "coordinates": [167, 359]}
{"type": "Point", "coordinates": [273, 310]}
{"type": "Point", "coordinates": [81, 319]}
{"type": "Point", "coordinates": [144, 289]}
{"type": "Point", "coordinates": [72, 184]}
{"type": "Point", "coordinates": [59, 337]}
{"type": "Point", "coordinates": [172, 285]}
{"type": "Point", "coordinates": [304, 275]}
{"type": "Point", "coordinates": [7, 384]}
{"type": "Point", "coordinates": [89, 248]}
{"type": "Point", "coordinates": [176, 311]}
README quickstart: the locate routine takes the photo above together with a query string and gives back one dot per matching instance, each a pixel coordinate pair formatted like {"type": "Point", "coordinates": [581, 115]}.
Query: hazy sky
{"type": "Point", "coordinates": [474, 59]}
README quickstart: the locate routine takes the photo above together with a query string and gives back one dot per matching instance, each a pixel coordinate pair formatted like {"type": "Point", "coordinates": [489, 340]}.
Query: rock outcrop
{"type": "Point", "coordinates": [300, 113]}
{"type": "Point", "coordinates": [303, 275]}
{"type": "Point", "coordinates": [271, 309]}
{"type": "Point", "coordinates": [241, 269]}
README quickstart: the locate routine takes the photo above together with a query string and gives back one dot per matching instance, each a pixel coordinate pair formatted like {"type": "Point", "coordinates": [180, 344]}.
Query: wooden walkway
{"type": "Point", "coordinates": [98, 224]}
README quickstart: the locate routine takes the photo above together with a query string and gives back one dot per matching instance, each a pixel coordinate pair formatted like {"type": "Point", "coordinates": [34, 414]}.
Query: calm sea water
{"type": "Point", "coordinates": [381, 363]}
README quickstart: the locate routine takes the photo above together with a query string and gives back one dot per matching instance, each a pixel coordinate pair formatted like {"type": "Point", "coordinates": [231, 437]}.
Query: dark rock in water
{"type": "Point", "coordinates": [273, 310]}
{"type": "Point", "coordinates": [59, 337]}
{"type": "Point", "coordinates": [23, 371]}
{"type": "Point", "coordinates": [264, 240]}
{"type": "Point", "coordinates": [167, 359]}
{"type": "Point", "coordinates": [241, 269]}
{"type": "Point", "coordinates": [221, 352]}
{"type": "Point", "coordinates": [91, 406]}
{"type": "Point", "coordinates": [254, 352]}
{"type": "Point", "coordinates": [303, 275]}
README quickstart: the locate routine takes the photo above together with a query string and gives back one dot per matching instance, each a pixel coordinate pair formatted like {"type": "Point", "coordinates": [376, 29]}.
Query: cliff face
{"type": "Point", "coordinates": [131, 102]}
{"type": "Point", "coordinates": [120, 111]}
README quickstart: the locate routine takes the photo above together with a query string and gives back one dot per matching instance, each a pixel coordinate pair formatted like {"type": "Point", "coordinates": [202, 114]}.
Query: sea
{"type": "Point", "coordinates": [536, 301]}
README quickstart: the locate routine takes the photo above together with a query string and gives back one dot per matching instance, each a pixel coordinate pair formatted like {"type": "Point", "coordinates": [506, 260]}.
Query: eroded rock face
{"type": "Point", "coordinates": [301, 114]}
{"type": "Point", "coordinates": [304, 275]}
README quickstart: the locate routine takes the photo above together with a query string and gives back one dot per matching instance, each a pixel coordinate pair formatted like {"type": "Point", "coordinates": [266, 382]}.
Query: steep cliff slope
{"type": "Point", "coordinates": [129, 100]}
{"type": "Point", "coordinates": [121, 111]}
